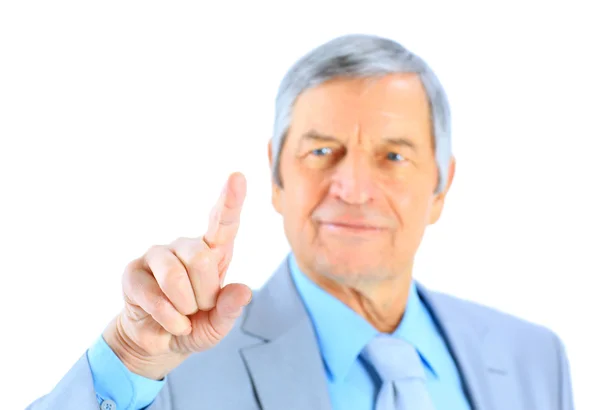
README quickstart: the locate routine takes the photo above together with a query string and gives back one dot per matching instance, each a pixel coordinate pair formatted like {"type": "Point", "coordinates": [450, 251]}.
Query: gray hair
{"type": "Point", "coordinates": [361, 55]}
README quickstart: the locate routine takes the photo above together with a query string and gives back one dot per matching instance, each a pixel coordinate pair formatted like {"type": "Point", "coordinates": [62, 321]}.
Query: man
{"type": "Point", "coordinates": [362, 163]}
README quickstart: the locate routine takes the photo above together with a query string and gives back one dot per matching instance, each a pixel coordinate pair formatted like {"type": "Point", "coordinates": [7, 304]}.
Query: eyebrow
{"type": "Point", "coordinates": [317, 136]}
{"type": "Point", "coordinates": [402, 142]}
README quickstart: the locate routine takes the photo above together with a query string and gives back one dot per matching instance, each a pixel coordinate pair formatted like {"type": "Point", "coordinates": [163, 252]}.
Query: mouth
{"type": "Point", "coordinates": [350, 228]}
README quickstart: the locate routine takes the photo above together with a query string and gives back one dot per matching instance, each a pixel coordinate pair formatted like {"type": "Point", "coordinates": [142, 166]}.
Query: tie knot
{"type": "Point", "coordinates": [393, 359]}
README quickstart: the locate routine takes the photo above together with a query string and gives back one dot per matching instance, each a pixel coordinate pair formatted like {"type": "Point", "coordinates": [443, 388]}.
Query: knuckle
{"type": "Point", "coordinates": [186, 248]}
{"type": "Point", "coordinates": [175, 277]}
{"type": "Point", "coordinates": [153, 253]}
{"type": "Point", "coordinates": [130, 266]}
{"type": "Point", "coordinates": [202, 261]}
{"type": "Point", "coordinates": [181, 242]}
{"type": "Point", "coordinates": [128, 282]}
{"type": "Point", "coordinates": [155, 249]}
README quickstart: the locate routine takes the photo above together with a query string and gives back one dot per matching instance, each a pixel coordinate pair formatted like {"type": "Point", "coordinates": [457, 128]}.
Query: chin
{"type": "Point", "coordinates": [350, 266]}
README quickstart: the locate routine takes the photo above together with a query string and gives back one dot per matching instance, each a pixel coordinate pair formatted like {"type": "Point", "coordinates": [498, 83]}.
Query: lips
{"type": "Point", "coordinates": [350, 227]}
{"type": "Point", "coordinates": [351, 221]}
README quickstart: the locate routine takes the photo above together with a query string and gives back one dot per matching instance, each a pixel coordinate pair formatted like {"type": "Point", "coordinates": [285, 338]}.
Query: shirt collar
{"type": "Point", "coordinates": [418, 328]}
{"type": "Point", "coordinates": [342, 333]}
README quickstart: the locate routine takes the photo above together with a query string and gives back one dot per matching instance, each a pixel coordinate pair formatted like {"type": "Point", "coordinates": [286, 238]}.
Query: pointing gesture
{"type": "Point", "coordinates": [225, 219]}
{"type": "Point", "coordinates": [174, 302]}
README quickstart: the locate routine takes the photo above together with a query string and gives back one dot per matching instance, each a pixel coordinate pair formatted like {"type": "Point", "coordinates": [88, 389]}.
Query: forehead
{"type": "Point", "coordinates": [373, 104]}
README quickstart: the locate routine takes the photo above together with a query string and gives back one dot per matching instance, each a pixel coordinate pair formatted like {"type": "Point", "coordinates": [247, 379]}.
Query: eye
{"type": "Point", "coordinates": [321, 152]}
{"type": "Point", "coordinates": [392, 156]}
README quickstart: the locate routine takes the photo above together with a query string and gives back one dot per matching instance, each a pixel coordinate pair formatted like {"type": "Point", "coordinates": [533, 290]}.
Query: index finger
{"type": "Point", "coordinates": [225, 216]}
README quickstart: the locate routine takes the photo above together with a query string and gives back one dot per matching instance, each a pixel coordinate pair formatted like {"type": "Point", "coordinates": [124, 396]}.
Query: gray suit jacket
{"type": "Point", "coordinates": [271, 361]}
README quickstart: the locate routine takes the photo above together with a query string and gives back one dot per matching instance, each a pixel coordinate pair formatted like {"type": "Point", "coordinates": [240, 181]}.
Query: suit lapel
{"type": "Point", "coordinates": [287, 370]}
{"type": "Point", "coordinates": [467, 338]}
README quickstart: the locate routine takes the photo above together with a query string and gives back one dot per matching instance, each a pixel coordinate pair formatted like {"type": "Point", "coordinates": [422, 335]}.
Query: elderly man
{"type": "Point", "coordinates": [362, 162]}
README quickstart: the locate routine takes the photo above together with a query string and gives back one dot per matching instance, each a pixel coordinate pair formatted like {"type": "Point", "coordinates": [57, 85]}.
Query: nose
{"type": "Point", "coordinates": [352, 180]}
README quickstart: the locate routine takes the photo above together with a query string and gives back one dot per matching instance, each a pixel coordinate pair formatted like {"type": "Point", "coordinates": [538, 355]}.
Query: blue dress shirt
{"type": "Point", "coordinates": [342, 334]}
{"type": "Point", "coordinates": [114, 381]}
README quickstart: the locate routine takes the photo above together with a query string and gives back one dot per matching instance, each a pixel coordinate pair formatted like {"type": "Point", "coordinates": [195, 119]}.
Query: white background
{"type": "Point", "coordinates": [119, 122]}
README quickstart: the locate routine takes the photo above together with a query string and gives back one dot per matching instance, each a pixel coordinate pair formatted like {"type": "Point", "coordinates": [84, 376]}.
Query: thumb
{"type": "Point", "coordinates": [230, 304]}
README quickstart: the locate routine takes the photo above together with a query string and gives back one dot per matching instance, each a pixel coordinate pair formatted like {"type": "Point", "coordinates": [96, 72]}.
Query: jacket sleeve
{"type": "Point", "coordinates": [76, 391]}
{"type": "Point", "coordinates": [565, 388]}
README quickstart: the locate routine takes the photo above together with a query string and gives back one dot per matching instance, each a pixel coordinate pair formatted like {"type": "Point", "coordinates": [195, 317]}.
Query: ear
{"type": "Point", "coordinates": [275, 189]}
{"type": "Point", "coordinates": [438, 201]}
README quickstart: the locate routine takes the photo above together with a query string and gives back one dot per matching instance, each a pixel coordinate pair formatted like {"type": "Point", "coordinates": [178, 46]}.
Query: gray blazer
{"type": "Point", "coordinates": [271, 361]}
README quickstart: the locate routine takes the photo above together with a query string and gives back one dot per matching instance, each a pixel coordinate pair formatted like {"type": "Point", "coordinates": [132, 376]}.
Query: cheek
{"type": "Point", "coordinates": [305, 185]}
{"type": "Point", "coordinates": [412, 205]}
{"type": "Point", "coordinates": [302, 196]}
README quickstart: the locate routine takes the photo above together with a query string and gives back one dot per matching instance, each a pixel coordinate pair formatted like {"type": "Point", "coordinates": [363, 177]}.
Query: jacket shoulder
{"type": "Point", "coordinates": [534, 354]}
{"type": "Point", "coordinates": [486, 316]}
{"type": "Point", "coordinates": [519, 340]}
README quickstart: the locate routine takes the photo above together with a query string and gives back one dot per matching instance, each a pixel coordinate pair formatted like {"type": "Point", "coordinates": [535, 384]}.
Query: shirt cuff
{"type": "Point", "coordinates": [114, 381]}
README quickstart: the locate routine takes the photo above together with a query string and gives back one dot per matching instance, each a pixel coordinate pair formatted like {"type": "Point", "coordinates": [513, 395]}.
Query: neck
{"type": "Point", "coordinates": [381, 302]}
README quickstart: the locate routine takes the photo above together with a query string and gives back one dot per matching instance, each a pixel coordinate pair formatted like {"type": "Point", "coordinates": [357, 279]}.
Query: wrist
{"type": "Point", "coordinates": [134, 358]}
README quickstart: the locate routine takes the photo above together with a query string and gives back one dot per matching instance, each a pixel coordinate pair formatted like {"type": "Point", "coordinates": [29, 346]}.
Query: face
{"type": "Point", "coordinates": [359, 175]}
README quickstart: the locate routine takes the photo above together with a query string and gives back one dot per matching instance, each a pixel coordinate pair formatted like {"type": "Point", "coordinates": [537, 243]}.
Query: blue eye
{"type": "Point", "coordinates": [319, 152]}
{"type": "Point", "coordinates": [392, 156]}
